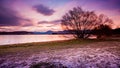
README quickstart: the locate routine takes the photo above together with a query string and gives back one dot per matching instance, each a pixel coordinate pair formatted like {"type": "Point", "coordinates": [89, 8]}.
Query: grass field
{"type": "Point", "coordinates": [21, 54]}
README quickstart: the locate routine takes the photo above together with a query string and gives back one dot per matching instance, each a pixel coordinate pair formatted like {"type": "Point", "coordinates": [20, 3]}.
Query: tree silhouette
{"type": "Point", "coordinates": [79, 22]}
{"type": "Point", "coordinates": [103, 31]}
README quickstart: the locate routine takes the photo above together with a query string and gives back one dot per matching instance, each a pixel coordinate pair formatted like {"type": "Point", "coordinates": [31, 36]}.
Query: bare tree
{"type": "Point", "coordinates": [80, 22]}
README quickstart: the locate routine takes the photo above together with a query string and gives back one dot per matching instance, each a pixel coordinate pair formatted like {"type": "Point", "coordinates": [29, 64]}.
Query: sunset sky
{"type": "Point", "coordinates": [44, 15]}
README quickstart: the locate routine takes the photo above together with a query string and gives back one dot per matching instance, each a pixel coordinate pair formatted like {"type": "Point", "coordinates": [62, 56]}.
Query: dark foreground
{"type": "Point", "coordinates": [62, 54]}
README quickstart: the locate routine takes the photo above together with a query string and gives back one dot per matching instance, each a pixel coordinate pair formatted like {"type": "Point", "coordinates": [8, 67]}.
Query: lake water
{"type": "Point", "coordinates": [15, 39]}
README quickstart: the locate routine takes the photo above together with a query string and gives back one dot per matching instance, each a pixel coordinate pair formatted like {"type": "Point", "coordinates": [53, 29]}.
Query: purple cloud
{"type": "Point", "coordinates": [8, 16]}
{"type": "Point", "coordinates": [53, 23]}
{"type": "Point", "coordinates": [44, 10]}
{"type": "Point", "coordinates": [43, 22]}
{"type": "Point", "coordinates": [50, 22]}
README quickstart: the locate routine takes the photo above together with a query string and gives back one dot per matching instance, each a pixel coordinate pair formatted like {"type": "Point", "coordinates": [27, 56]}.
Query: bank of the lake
{"type": "Point", "coordinates": [17, 39]}
{"type": "Point", "coordinates": [67, 53]}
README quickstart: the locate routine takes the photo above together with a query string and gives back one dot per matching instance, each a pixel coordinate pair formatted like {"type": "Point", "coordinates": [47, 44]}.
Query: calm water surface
{"type": "Point", "coordinates": [15, 39]}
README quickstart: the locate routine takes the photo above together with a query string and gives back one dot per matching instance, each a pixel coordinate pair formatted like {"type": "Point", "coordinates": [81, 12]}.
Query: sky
{"type": "Point", "coordinates": [44, 15]}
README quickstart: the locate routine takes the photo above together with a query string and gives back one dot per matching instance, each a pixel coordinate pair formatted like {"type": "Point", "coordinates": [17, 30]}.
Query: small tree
{"type": "Point", "coordinates": [79, 22]}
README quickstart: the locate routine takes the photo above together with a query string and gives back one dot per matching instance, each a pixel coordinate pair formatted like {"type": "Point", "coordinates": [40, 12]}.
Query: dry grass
{"type": "Point", "coordinates": [54, 45]}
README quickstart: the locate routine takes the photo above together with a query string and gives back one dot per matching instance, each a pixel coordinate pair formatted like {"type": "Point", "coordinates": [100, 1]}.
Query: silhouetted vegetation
{"type": "Point", "coordinates": [80, 23]}
{"type": "Point", "coordinates": [102, 31]}
{"type": "Point", "coordinates": [116, 31]}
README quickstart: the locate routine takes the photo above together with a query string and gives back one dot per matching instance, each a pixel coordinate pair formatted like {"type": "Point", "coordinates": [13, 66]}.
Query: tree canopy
{"type": "Point", "coordinates": [80, 22]}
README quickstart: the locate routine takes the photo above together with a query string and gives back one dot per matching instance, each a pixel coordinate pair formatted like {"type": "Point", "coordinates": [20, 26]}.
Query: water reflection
{"type": "Point", "coordinates": [15, 39]}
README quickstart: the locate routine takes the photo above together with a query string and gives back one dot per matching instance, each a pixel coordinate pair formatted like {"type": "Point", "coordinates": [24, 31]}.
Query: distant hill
{"type": "Point", "coordinates": [61, 32]}
{"type": "Point", "coordinates": [36, 33]}
{"type": "Point", "coordinates": [15, 33]}
{"type": "Point", "coordinates": [47, 32]}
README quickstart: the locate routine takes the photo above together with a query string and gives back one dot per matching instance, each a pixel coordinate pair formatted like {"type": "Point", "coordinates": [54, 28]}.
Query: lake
{"type": "Point", "coordinates": [16, 39]}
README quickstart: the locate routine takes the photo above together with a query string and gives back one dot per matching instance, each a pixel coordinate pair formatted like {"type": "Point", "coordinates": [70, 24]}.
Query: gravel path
{"type": "Point", "coordinates": [86, 57]}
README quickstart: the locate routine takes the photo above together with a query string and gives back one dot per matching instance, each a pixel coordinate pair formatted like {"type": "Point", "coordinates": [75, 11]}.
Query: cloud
{"type": "Point", "coordinates": [56, 21]}
{"type": "Point", "coordinates": [50, 22]}
{"type": "Point", "coordinates": [10, 17]}
{"type": "Point", "coordinates": [43, 22]}
{"type": "Point", "coordinates": [44, 10]}
{"type": "Point", "coordinates": [53, 23]}
{"type": "Point", "coordinates": [50, 25]}
{"type": "Point", "coordinates": [4, 29]}
{"type": "Point", "coordinates": [8, 28]}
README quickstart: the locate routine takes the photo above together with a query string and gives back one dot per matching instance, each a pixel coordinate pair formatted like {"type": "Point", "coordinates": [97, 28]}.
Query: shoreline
{"type": "Point", "coordinates": [34, 42]}
{"type": "Point", "coordinates": [96, 40]}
